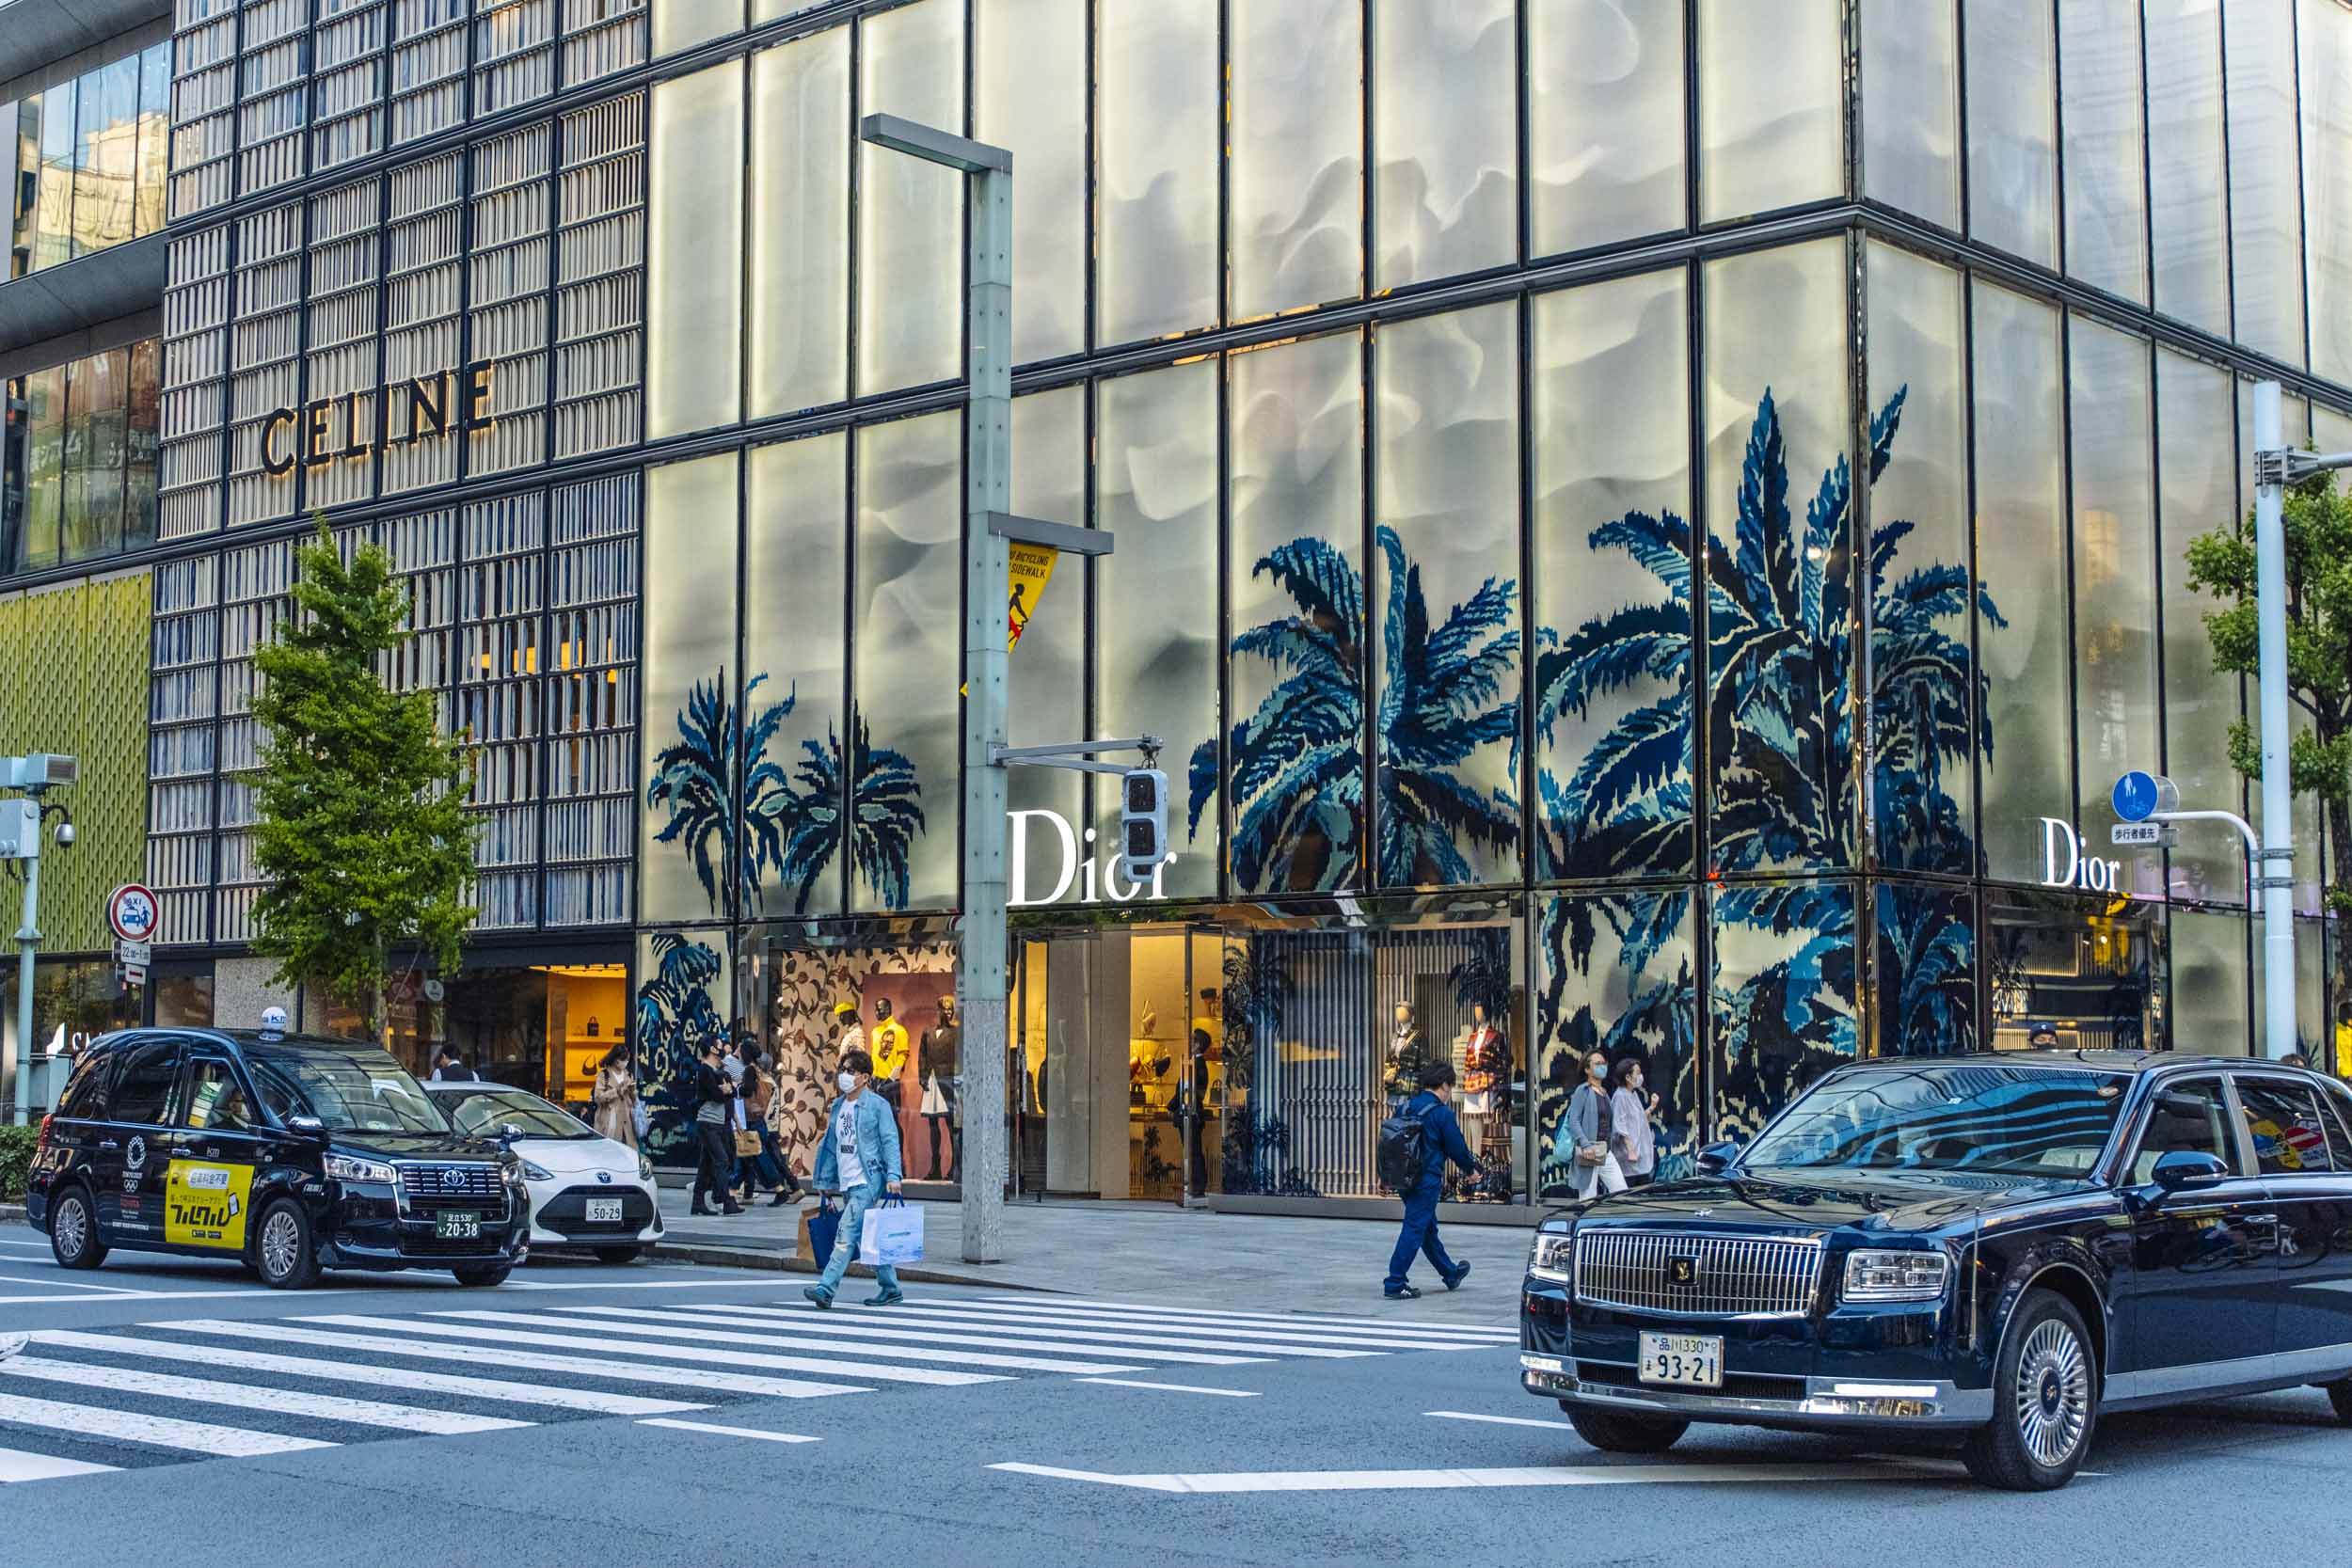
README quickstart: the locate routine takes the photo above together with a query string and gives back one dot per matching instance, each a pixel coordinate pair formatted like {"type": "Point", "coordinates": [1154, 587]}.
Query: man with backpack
{"type": "Point", "coordinates": [1414, 1145]}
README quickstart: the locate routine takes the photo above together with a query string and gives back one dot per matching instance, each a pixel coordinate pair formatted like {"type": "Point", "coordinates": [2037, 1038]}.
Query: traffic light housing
{"type": "Point", "coordinates": [1142, 823]}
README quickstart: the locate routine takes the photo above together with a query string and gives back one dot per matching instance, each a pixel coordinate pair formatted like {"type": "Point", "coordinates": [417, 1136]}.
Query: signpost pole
{"type": "Point", "coordinates": [2274, 878]}
{"type": "Point", "coordinates": [28, 943]}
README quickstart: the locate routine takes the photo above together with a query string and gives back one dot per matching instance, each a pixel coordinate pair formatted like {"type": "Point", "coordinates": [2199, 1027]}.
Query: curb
{"type": "Point", "coordinates": [13, 1214]}
{"type": "Point", "coordinates": [723, 1256]}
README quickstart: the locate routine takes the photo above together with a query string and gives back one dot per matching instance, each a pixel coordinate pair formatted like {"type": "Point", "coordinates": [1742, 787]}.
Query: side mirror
{"type": "Point", "coordinates": [1715, 1159]}
{"type": "Point", "coordinates": [2182, 1170]}
{"type": "Point", "coordinates": [508, 1132]}
{"type": "Point", "coordinates": [309, 1126]}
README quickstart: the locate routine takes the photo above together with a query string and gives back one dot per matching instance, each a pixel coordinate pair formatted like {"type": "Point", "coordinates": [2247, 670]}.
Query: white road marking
{"type": "Point", "coordinates": [794, 1336]}
{"type": "Point", "coordinates": [35, 1246]}
{"type": "Point", "coordinates": [240, 1396]}
{"type": "Point", "coordinates": [440, 1327]}
{"type": "Point", "coordinates": [1304, 1341]}
{"type": "Point", "coordinates": [1277, 1319]}
{"type": "Point", "coordinates": [740, 1386]}
{"type": "Point", "coordinates": [162, 1431]}
{"type": "Point", "coordinates": [68, 1285]}
{"type": "Point", "coordinates": [885, 1324]}
{"type": "Point", "coordinates": [1499, 1420]}
{"type": "Point", "coordinates": [16, 1465]}
{"type": "Point", "coordinates": [1427, 1480]}
{"type": "Point", "coordinates": [1172, 1388]}
{"type": "Point", "coordinates": [378, 1377]}
{"type": "Point", "coordinates": [1312, 1329]}
{"type": "Point", "coordinates": [911, 1312]}
{"type": "Point", "coordinates": [142, 1295]}
{"type": "Point", "coordinates": [410, 1281]}
{"type": "Point", "coordinates": [729, 1432]}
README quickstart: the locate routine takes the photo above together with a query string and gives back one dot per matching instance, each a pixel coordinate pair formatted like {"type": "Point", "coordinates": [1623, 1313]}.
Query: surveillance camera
{"type": "Point", "coordinates": [65, 835]}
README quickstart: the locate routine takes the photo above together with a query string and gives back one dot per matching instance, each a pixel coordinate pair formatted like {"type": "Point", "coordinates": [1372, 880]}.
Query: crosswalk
{"type": "Point", "coordinates": [84, 1402]}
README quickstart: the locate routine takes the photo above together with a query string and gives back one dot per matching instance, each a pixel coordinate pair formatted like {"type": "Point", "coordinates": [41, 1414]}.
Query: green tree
{"type": "Point", "coordinates": [362, 828]}
{"type": "Point", "coordinates": [2319, 652]}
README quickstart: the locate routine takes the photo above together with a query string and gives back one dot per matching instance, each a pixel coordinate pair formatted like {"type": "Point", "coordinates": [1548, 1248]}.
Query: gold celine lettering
{"type": "Point", "coordinates": [303, 435]}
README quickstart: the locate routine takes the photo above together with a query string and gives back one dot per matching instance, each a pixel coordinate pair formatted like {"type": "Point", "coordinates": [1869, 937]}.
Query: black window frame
{"type": "Point", "coordinates": [2242, 1153]}
{"type": "Point", "coordinates": [92, 1075]}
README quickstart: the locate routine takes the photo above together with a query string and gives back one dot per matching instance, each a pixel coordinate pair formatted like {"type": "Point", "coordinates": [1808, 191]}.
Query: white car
{"type": "Point", "coordinates": [586, 1190]}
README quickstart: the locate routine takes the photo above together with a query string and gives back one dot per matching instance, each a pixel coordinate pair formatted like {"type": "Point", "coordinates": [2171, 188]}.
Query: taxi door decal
{"type": "Point", "coordinates": [204, 1204]}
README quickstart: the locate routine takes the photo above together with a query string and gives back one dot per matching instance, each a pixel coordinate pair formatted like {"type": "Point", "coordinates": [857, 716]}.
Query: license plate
{"type": "Point", "coordinates": [1687, 1360]}
{"type": "Point", "coordinates": [449, 1227]}
{"type": "Point", "coordinates": [604, 1210]}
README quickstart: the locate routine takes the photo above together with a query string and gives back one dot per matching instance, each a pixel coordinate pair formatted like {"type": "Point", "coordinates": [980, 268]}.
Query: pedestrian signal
{"type": "Point", "coordinates": [1144, 823]}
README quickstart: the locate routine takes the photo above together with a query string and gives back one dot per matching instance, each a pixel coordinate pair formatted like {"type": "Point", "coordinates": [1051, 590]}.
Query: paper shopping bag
{"type": "Point", "coordinates": [893, 1233]}
{"type": "Point", "coordinates": [818, 1228]}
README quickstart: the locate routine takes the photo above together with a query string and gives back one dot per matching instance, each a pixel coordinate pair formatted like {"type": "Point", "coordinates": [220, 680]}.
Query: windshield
{"type": "Point", "coordinates": [355, 1091]}
{"type": "Point", "coordinates": [483, 1110]}
{"type": "Point", "coordinates": [1988, 1119]}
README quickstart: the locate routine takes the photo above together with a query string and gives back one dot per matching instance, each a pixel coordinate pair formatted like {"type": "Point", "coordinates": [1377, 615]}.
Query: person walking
{"type": "Point", "coordinates": [1582, 1141]}
{"type": "Point", "coordinates": [760, 1091]}
{"type": "Point", "coordinates": [1631, 1137]}
{"type": "Point", "coordinates": [1442, 1141]}
{"type": "Point", "coordinates": [714, 1100]}
{"type": "Point", "coordinates": [860, 1160]}
{"type": "Point", "coordinates": [612, 1103]}
{"type": "Point", "coordinates": [450, 1068]}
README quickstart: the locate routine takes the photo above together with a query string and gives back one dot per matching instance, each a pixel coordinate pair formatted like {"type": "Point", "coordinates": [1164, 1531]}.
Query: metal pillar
{"type": "Point", "coordinates": [2273, 876]}
{"type": "Point", "coordinates": [27, 944]}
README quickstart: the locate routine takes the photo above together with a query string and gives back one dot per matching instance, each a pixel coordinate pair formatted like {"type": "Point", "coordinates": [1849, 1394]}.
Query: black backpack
{"type": "Point", "coordinates": [1402, 1152]}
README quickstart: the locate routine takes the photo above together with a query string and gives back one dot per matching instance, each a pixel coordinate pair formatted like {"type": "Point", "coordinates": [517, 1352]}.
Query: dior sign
{"type": "Point", "coordinates": [325, 429]}
{"type": "Point", "coordinates": [1095, 878]}
{"type": "Point", "coordinates": [2064, 864]}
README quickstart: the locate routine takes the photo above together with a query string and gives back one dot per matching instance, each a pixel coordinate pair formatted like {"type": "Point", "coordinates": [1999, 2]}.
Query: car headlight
{"type": "Point", "coordinates": [531, 1171]}
{"type": "Point", "coordinates": [645, 1167]}
{"type": "Point", "coordinates": [343, 1168]}
{"type": "Point", "coordinates": [1555, 1257]}
{"type": "Point", "coordinates": [1881, 1275]}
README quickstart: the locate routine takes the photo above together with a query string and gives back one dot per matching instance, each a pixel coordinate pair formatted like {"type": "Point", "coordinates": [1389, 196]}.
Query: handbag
{"type": "Point", "coordinates": [746, 1144]}
{"type": "Point", "coordinates": [1592, 1154]}
{"type": "Point", "coordinates": [639, 1117]}
{"type": "Point", "coordinates": [824, 1229]}
{"type": "Point", "coordinates": [893, 1233]}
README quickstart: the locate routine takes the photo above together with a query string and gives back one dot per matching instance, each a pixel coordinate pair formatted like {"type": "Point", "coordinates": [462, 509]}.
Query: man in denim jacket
{"type": "Point", "coordinates": [859, 1158]}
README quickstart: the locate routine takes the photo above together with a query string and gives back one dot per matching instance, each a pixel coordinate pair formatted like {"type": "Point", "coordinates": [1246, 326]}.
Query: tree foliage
{"type": "Point", "coordinates": [360, 825]}
{"type": "Point", "coordinates": [2319, 649]}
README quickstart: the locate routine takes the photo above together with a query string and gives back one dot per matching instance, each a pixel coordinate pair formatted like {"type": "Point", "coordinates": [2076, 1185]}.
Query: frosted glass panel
{"type": "Point", "coordinates": [1445, 139]}
{"type": "Point", "coordinates": [1297, 153]}
{"type": "Point", "coordinates": [2196, 481]}
{"type": "Point", "coordinates": [1911, 107]}
{"type": "Point", "coordinates": [2187, 210]}
{"type": "Point", "coordinates": [695, 266]}
{"type": "Point", "coordinates": [911, 212]}
{"type": "Point", "coordinates": [688, 845]}
{"type": "Point", "coordinates": [1031, 72]}
{"type": "Point", "coordinates": [2106, 239]}
{"type": "Point", "coordinates": [1157, 130]}
{"type": "Point", "coordinates": [794, 648]}
{"type": "Point", "coordinates": [2012, 70]}
{"type": "Point", "coordinates": [800, 224]}
{"type": "Point", "coordinates": [1772, 126]}
{"type": "Point", "coordinates": [1605, 121]}
{"type": "Point", "coordinates": [2265, 186]}
{"type": "Point", "coordinates": [2326, 37]}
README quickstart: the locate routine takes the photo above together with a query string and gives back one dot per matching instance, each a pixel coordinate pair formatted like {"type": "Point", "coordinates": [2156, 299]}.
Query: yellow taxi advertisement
{"type": "Point", "coordinates": [204, 1204]}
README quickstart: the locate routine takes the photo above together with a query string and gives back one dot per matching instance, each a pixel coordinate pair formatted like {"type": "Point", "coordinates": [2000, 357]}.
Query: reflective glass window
{"type": "Point", "coordinates": [2188, 1117]}
{"type": "Point", "coordinates": [1926, 990]}
{"type": "Point", "coordinates": [2116, 725]}
{"type": "Point", "coordinates": [1622, 967]}
{"type": "Point", "coordinates": [1158, 133]}
{"type": "Point", "coordinates": [2284, 1123]}
{"type": "Point", "coordinates": [2266, 190]}
{"type": "Point", "coordinates": [1296, 218]}
{"type": "Point", "coordinates": [1445, 137]}
{"type": "Point", "coordinates": [154, 139]}
{"type": "Point", "coordinates": [909, 241]}
{"type": "Point", "coordinates": [106, 160]}
{"type": "Point", "coordinates": [1030, 75]}
{"type": "Point", "coordinates": [2196, 486]}
{"type": "Point", "coordinates": [2012, 71]}
{"type": "Point", "coordinates": [1294, 778]}
{"type": "Point", "coordinates": [907, 635]}
{"type": "Point", "coordinates": [1610, 446]}
{"type": "Point", "coordinates": [683, 24]}
{"type": "Point", "coordinates": [1911, 107]}
{"type": "Point", "coordinates": [1784, 974]}
{"type": "Point", "coordinates": [44, 467]}
{"type": "Point", "coordinates": [96, 414]}
{"type": "Point", "coordinates": [2020, 432]}
{"type": "Point", "coordinates": [796, 645]}
{"type": "Point", "coordinates": [2103, 143]}
{"type": "Point", "coordinates": [2326, 52]}
{"type": "Point", "coordinates": [1605, 151]}
{"type": "Point", "coordinates": [800, 315]}
{"type": "Point", "coordinates": [1445, 603]}
{"type": "Point", "coordinates": [694, 268]}
{"type": "Point", "coordinates": [2187, 209]}
{"type": "Point", "coordinates": [690, 849]}
{"type": "Point", "coordinates": [53, 217]}
{"type": "Point", "coordinates": [1772, 114]}
{"type": "Point", "coordinates": [142, 444]}
{"type": "Point", "coordinates": [1156, 673]}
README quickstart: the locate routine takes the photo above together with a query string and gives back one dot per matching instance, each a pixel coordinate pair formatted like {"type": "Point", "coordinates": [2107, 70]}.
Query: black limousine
{"type": "Point", "coordinates": [1997, 1246]}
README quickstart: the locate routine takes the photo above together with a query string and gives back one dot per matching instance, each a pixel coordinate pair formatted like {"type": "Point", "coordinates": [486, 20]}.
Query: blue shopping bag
{"type": "Point", "coordinates": [824, 1227]}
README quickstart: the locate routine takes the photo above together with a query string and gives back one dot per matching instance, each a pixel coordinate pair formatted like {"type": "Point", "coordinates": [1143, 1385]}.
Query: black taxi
{"type": "Point", "coordinates": [291, 1154]}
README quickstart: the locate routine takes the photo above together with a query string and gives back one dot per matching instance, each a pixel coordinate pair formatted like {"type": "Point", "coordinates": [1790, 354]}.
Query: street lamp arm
{"type": "Point", "coordinates": [2246, 830]}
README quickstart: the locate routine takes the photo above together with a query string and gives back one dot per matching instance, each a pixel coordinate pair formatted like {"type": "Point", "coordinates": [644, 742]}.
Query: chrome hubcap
{"type": "Point", "coordinates": [72, 1227]}
{"type": "Point", "coordinates": [2053, 1394]}
{"type": "Point", "coordinates": [281, 1239]}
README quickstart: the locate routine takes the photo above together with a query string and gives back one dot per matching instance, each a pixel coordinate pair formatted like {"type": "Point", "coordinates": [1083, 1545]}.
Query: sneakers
{"type": "Point", "coordinates": [819, 1295]}
{"type": "Point", "coordinates": [1403, 1292]}
{"type": "Point", "coordinates": [888, 1298]}
{"type": "Point", "coordinates": [1453, 1282]}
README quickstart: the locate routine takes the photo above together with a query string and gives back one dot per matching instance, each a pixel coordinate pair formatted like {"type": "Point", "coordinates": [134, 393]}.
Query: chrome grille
{"type": "Point", "coordinates": [481, 1182]}
{"type": "Point", "coordinates": [1730, 1275]}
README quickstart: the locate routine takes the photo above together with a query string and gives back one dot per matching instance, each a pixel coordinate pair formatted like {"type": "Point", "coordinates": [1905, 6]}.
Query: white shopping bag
{"type": "Point", "coordinates": [893, 1233]}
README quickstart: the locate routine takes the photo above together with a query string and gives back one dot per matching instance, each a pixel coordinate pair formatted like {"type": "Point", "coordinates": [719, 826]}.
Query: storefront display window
{"type": "Point", "coordinates": [541, 1027]}
{"type": "Point", "coordinates": [895, 1003]}
{"type": "Point", "coordinates": [184, 994]}
{"type": "Point", "coordinates": [2091, 975]}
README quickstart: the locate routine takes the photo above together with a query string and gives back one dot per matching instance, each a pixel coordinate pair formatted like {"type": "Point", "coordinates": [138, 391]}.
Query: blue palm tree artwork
{"type": "Point", "coordinates": [1927, 994]}
{"type": "Point", "coordinates": [787, 824]}
{"type": "Point", "coordinates": [674, 1018]}
{"type": "Point", "coordinates": [1782, 636]}
{"type": "Point", "coordinates": [1293, 770]}
{"type": "Point", "coordinates": [1617, 978]}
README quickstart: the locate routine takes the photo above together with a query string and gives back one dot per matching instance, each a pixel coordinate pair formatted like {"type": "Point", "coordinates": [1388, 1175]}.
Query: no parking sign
{"type": "Point", "coordinates": [133, 912]}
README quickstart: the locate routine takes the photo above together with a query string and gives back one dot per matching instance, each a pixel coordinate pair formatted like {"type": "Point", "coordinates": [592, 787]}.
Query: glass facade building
{"type": "Point", "coordinates": [1644, 525]}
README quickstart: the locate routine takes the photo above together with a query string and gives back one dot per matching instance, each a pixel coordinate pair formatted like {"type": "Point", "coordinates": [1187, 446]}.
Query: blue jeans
{"type": "Point", "coordinates": [1418, 1235]}
{"type": "Point", "coordinates": [845, 1244]}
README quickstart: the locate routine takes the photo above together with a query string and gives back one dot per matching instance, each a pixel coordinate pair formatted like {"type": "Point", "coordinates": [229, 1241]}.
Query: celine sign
{"type": "Point", "coordinates": [1096, 879]}
{"type": "Point", "coordinates": [305, 435]}
{"type": "Point", "coordinates": [2064, 864]}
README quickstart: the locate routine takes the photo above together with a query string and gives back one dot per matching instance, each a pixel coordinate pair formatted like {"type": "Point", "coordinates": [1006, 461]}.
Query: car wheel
{"type": "Point", "coordinates": [1613, 1433]}
{"type": "Point", "coordinates": [2340, 1395]}
{"type": "Point", "coordinates": [2046, 1401]}
{"type": "Point", "coordinates": [283, 1253]}
{"type": "Point", "coordinates": [482, 1274]}
{"type": "Point", "coordinates": [617, 1254]}
{"type": "Point", "coordinates": [73, 1230]}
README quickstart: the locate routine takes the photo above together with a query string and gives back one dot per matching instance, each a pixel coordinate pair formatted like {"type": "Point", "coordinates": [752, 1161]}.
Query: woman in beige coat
{"type": "Point", "coordinates": [613, 1104]}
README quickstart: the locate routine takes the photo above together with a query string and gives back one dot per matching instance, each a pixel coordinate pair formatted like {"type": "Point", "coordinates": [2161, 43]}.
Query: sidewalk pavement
{"type": "Point", "coordinates": [1150, 1252]}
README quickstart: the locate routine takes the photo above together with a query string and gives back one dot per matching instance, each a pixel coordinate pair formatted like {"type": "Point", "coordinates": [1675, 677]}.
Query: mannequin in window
{"type": "Point", "coordinates": [1486, 1082]}
{"type": "Point", "coordinates": [1401, 1076]}
{"type": "Point", "coordinates": [936, 1066]}
{"type": "Point", "coordinates": [849, 1035]}
{"type": "Point", "coordinates": [889, 1044]}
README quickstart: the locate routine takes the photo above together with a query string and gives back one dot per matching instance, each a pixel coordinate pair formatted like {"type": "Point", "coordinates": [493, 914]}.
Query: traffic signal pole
{"type": "Point", "coordinates": [2274, 873]}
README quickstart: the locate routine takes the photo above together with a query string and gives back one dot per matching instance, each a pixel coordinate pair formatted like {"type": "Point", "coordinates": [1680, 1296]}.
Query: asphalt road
{"type": "Point", "coordinates": [169, 1412]}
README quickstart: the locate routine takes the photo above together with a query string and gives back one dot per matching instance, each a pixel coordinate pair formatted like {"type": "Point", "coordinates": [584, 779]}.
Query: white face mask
{"type": "Point", "coordinates": [847, 1082]}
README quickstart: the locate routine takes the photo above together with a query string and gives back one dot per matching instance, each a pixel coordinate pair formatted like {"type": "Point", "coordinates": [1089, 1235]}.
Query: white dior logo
{"type": "Point", "coordinates": [2077, 869]}
{"type": "Point", "coordinates": [1096, 879]}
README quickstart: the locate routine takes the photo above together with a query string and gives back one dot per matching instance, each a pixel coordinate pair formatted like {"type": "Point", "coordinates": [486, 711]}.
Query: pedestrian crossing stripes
{"type": "Point", "coordinates": [85, 1402]}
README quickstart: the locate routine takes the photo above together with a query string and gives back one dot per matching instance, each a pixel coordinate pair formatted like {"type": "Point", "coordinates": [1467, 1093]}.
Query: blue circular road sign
{"type": "Point", "coordinates": [2134, 795]}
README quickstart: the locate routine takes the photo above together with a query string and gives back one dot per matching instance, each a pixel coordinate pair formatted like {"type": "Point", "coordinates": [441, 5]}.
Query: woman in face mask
{"type": "Point", "coordinates": [1631, 1138]}
{"type": "Point", "coordinates": [860, 1160]}
{"type": "Point", "coordinates": [1584, 1140]}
